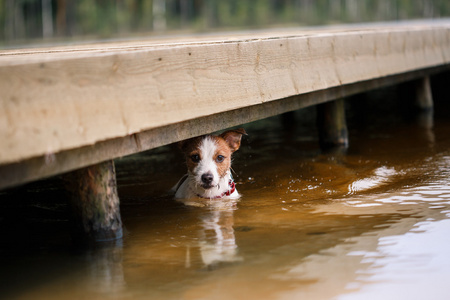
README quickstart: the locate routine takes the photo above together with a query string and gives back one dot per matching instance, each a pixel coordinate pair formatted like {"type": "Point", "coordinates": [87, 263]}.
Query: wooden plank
{"type": "Point", "coordinates": [61, 99]}
{"type": "Point", "coordinates": [64, 161]}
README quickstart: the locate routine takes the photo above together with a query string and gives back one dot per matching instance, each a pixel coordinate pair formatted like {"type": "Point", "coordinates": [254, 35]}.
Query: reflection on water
{"type": "Point", "coordinates": [414, 265]}
{"type": "Point", "coordinates": [369, 224]}
{"type": "Point", "coordinates": [105, 271]}
{"type": "Point", "coordinates": [217, 241]}
{"type": "Point", "coordinates": [380, 176]}
{"type": "Point", "coordinates": [405, 258]}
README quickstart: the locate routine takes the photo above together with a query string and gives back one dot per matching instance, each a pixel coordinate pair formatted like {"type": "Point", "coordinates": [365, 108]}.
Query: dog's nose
{"type": "Point", "coordinates": [207, 178]}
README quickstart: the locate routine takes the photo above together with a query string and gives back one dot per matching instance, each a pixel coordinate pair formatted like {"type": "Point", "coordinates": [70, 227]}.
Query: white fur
{"type": "Point", "coordinates": [191, 186]}
{"type": "Point", "coordinates": [208, 148]}
{"type": "Point", "coordinates": [190, 189]}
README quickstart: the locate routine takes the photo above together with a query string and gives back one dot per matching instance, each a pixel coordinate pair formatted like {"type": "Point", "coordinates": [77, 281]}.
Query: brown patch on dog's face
{"type": "Point", "coordinates": [191, 152]}
{"type": "Point", "coordinates": [222, 156]}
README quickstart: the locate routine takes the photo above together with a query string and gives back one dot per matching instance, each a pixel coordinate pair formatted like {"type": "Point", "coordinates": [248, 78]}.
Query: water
{"type": "Point", "coordinates": [369, 224]}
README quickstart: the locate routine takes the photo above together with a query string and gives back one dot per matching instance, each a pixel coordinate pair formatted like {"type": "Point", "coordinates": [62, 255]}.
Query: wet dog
{"type": "Point", "coordinates": [208, 160]}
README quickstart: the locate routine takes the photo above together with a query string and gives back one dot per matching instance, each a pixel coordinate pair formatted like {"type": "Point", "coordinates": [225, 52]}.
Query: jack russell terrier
{"type": "Point", "coordinates": [208, 160]}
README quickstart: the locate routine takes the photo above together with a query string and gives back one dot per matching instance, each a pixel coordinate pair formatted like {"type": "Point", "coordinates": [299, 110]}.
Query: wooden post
{"type": "Point", "coordinates": [424, 103]}
{"type": "Point", "coordinates": [95, 203]}
{"type": "Point", "coordinates": [332, 125]}
{"type": "Point", "coordinates": [424, 97]}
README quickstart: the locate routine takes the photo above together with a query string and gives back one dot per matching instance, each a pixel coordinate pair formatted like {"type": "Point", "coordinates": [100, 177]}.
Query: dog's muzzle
{"type": "Point", "coordinates": [207, 180]}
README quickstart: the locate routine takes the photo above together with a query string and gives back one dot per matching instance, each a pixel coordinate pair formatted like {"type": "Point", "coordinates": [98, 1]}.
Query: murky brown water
{"type": "Point", "coordinates": [373, 223]}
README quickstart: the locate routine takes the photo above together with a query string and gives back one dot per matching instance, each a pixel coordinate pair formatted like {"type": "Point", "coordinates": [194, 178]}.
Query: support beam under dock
{"type": "Point", "coordinates": [95, 203]}
{"type": "Point", "coordinates": [332, 125]}
{"type": "Point", "coordinates": [424, 96]}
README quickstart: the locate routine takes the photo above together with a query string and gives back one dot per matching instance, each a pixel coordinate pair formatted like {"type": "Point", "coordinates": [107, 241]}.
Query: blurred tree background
{"type": "Point", "coordinates": [25, 21]}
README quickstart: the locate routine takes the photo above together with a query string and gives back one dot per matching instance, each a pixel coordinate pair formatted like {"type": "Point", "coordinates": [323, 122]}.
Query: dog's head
{"type": "Point", "coordinates": [208, 157]}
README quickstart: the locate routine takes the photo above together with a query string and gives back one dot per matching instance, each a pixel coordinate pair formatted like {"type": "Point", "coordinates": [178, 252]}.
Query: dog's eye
{"type": "Point", "coordinates": [220, 158]}
{"type": "Point", "coordinates": [195, 158]}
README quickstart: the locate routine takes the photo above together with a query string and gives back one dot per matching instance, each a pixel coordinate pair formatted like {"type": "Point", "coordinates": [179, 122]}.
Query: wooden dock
{"type": "Point", "coordinates": [78, 107]}
{"type": "Point", "coordinates": [64, 108]}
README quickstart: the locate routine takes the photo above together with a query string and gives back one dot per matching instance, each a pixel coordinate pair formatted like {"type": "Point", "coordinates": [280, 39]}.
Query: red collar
{"type": "Point", "coordinates": [232, 188]}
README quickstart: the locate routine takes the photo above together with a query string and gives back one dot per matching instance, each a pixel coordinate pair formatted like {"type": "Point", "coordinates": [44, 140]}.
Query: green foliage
{"type": "Point", "coordinates": [21, 19]}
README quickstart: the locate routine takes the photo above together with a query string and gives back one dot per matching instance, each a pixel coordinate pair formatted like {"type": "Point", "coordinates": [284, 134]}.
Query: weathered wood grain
{"type": "Point", "coordinates": [68, 160]}
{"type": "Point", "coordinates": [95, 203]}
{"type": "Point", "coordinates": [65, 101]}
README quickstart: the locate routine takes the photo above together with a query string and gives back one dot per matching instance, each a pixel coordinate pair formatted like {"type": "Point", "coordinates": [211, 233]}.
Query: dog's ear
{"type": "Point", "coordinates": [233, 138]}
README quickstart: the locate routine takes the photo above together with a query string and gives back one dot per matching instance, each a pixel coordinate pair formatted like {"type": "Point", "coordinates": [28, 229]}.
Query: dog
{"type": "Point", "coordinates": [208, 160]}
